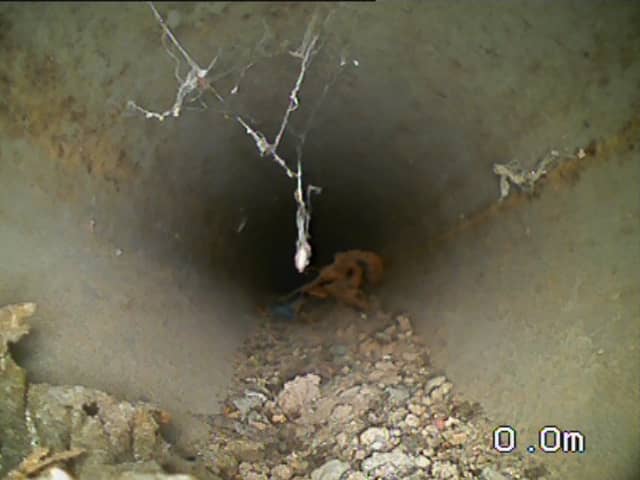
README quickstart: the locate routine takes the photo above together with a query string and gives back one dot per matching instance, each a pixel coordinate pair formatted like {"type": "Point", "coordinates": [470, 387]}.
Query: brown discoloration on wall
{"type": "Point", "coordinates": [38, 108]}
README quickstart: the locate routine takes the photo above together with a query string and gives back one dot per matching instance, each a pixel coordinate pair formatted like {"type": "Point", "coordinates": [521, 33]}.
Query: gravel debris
{"type": "Point", "coordinates": [350, 397]}
{"type": "Point", "coordinates": [281, 472]}
{"type": "Point", "coordinates": [342, 396]}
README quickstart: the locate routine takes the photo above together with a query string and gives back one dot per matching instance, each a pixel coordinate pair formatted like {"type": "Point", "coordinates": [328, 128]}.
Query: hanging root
{"type": "Point", "coordinates": [195, 83]}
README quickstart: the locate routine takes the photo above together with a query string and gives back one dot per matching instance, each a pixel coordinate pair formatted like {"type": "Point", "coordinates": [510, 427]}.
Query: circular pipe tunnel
{"type": "Point", "coordinates": [148, 245]}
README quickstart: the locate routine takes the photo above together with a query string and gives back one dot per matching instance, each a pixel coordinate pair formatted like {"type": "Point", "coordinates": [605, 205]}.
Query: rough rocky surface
{"type": "Point", "coordinates": [13, 385]}
{"type": "Point", "coordinates": [43, 427]}
{"type": "Point", "coordinates": [339, 396]}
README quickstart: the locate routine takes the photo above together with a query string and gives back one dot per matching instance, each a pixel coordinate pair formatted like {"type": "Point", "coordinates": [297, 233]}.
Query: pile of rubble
{"type": "Point", "coordinates": [343, 396]}
{"type": "Point", "coordinates": [348, 396]}
{"type": "Point", "coordinates": [45, 427]}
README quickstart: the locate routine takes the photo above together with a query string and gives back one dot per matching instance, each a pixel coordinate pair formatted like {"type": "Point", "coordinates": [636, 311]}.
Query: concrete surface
{"type": "Point", "coordinates": [153, 298]}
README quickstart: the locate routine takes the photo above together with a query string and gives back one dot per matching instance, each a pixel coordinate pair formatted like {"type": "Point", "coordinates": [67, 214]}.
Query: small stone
{"type": "Point", "coordinates": [360, 454]}
{"type": "Point", "coordinates": [245, 468]}
{"type": "Point", "coordinates": [341, 413]}
{"type": "Point", "coordinates": [458, 438]}
{"type": "Point", "coordinates": [383, 337]}
{"type": "Point", "coordinates": [278, 418]}
{"type": "Point", "coordinates": [356, 476]}
{"type": "Point", "coordinates": [444, 471]}
{"type": "Point", "coordinates": [369, 348]}
{"type": "Point", "coordinates": [258, 426]}
{"type": "Point", "coordinates": [440, 424]}
{"type": "Point", "coordinates": [387, 349]}
{"type": "Point", "coordinates": [489, 473]}
{"type": "Point", "coordinates": [375, 438]}
{"type": "Point", "coordinates": [404, 324]}
{"type": "Point", "coordinates": [422, 462]}
{"type": "Point", "coordinates": [434, 383]}
{"type": "Point", "coordinates": [331, 470]}
{"type": "Point", "coordinates": [410, 357]}
{"type": "Point", "coordinates": [428, 452]}
{"type": "Point", "coordinates": [342, 440]}
{"type": "Point", "coordinates": [250, 401]}
{"type": "Point", "coordinates": [441, 392]}
{"type": "Point", "coordinates": [281, 472]}
{"type": "Point", "coordinates": [417, 409]}
{"type": "Point", "coordinates": [299, 393]}
{"type": "Point", "coordinates": [397, 415]}
{"type": "Point", "coordinates": [299, 465]}
{"type": "Point", "coordinates": [451, 422]}
{"type": "Point", "coordinates": [385, 365]}
{"type": "Point", "coordinates": [396, 461]}
{"type": "Point", "coordinates": [430, 431]}
{"type": "Point", "coordinates": [412, 421]}
{"type": "Point", "coordinates": [390, 330]}
{"type": "Point", "coordinates": [397, 394]}
{"type": "Point", "coordinates": [246, 450]}
{"type": "Point", "coordinates": [350, 393]}
{"type": "Point", "coordinates": [374, 418]}
{"type": "Point", "coordinates": [384, 377]}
